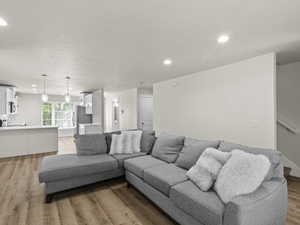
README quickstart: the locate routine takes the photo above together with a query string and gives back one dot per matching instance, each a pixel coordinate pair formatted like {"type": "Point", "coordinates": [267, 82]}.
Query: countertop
{"type": "Point", "coordinates": [26, 127]}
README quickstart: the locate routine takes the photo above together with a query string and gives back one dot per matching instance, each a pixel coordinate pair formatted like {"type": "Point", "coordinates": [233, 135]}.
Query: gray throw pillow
{"type": "Point", "coordinates": [147, 141]}
{"type": "Point", "coordinates": [167, 147]}
{"type": "Point", "coordinates": [192, 150]}
{"type": "Point", "coordinates": [274, 156]}
{"type": "Point", "coordinates": [91, 144]}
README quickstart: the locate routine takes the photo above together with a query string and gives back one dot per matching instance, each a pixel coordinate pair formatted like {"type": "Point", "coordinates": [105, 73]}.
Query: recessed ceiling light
{"type": "Point", "coordinates": [222, 39]}
{"type": "Point", "coordinates": [33, 86]}
{"type": "Point", "coordinates": [3, 23]}
{"type": "Point", "coordinates": [167, 61]}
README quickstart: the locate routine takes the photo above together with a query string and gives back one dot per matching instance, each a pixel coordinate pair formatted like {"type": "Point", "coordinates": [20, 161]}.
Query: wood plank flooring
{"type": "Point", "coordinates": [294, 202]}
{"type": "Point", "coordinates": [109, 203]}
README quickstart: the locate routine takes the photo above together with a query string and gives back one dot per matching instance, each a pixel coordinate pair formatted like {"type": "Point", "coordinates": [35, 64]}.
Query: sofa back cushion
{"type": "Point", "coordinates": [192, 150]}
{"type": "Point", "coordinates": [167, 147]}
{"type": "Point", "coordinates": [147, 141]}
{"type": "Point", "coordinates": [91, 144]}
{"type": "Point", "coordinates": [274, 156]}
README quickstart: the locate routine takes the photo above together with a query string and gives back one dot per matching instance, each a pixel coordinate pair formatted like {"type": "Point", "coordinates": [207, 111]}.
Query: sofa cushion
{"type": "Point", "coordinates": [91, 144]}
{"type": "Point", "coordinates": [58, 167]}
{"type": "Point", "coordinates": [122, 157]}
{"type": "Point", "coordinates": [167, 147]}
{"type": "Point", "coordinates": [206, 207]}
{"type": "Point", "coordinates": [192, 150]}
{"type": "Point", "coordinates": [163, 177]}
{"type": "Point", "coordinates": [147, 141]}
{"type": "Point", "coordinates": [139, 164]}
{"type": "Point", "coordinates": [276, 170]}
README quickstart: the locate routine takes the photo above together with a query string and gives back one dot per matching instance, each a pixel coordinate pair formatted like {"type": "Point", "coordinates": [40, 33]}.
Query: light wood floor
{"type": "Point", "coordinates": [109, 203]}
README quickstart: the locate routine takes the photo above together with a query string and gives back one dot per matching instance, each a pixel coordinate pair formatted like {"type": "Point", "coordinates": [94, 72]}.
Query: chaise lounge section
{"type": "Point", "coordinates": [64, 172]}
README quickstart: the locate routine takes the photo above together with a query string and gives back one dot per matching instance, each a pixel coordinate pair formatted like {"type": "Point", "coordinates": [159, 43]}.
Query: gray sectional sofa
{"type": "Point", "coordinates": [160, 175]}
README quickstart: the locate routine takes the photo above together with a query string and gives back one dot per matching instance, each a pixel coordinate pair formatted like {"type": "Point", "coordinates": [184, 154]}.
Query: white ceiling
{"type": "Point", "coordinates": [117, 44]}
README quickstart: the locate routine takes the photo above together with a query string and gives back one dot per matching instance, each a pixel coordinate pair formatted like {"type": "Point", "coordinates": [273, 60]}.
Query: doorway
{"type": "Point", "coordinates": [145, 112]}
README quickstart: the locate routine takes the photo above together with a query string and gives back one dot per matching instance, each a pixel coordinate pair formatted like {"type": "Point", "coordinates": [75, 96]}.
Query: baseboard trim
{"type": "Point", "coordinates": [295, 172]}
{"type": "Point", "coordinates": [292, 178]}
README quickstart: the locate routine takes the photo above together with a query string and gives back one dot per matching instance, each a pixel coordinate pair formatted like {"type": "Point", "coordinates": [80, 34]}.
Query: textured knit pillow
{"type": "Point", "coordinates": [205, 171]}
{"type": "Point", "coordinates": [134, 141]}
{"type": "Point", "coordinates": [276, 170]}
{"type": "Point", "coordinates": [242, 174]}
{"type": "Point", "coordinates": [116, 144]}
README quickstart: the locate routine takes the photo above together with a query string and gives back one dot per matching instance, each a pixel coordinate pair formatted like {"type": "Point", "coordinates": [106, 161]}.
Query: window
{"type": "Point", "coordinates": [58, 114]}
{"type": "Point", "coordinates": [47, 114]}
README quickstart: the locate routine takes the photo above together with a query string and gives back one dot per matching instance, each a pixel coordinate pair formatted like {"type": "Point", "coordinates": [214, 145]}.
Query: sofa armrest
{"type": "Point", "coordinates": [265, 206]}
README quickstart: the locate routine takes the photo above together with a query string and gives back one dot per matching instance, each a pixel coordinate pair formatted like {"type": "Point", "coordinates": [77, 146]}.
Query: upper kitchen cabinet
{"type": "Point", "coordinates": [8, 100]}
{"type": "Point", "coordinates": [3, 106]}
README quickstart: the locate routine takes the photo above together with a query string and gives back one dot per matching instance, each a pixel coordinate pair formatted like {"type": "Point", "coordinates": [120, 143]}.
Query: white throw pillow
{"type": "Point", "coordinates": [135, 137]}
{"type": "Point", "coordinates": [206, 169]}
{"type": "Point", "coordinates": [116, 144]}
{"type": "Point", "coordinates": [242, 174]}
{"type": "Point", "coordinates": [127, 144]}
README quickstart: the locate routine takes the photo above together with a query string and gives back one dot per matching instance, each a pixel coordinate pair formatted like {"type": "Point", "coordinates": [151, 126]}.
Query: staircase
{"type": "Point", "coordinates": [291, 132]}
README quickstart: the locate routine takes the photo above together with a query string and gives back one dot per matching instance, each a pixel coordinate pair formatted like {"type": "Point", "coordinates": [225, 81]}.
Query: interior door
{"type": "Point", "coordinates": [146, 112]}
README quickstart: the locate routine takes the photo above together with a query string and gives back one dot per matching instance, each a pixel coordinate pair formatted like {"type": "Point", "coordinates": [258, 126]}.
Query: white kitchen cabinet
{"type": "Point", "coordinates": [8, 100]}
{"type": "Point", "coordinates": [10, 95]}
{"type": "Point", "coordinates": [3, 101]}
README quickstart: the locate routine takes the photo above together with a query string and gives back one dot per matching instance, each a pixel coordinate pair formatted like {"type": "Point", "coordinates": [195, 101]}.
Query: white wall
{"type": "Point", "coordinates": [29, 109]}
{"type": "Point", "coordinates": [235, 102]}
{"type": "Point", "coordinates": [128, 109]}
{"type": "Point", "coordinates": [288, 95]}
{"type": "Point", "coordinates": [145, 91]}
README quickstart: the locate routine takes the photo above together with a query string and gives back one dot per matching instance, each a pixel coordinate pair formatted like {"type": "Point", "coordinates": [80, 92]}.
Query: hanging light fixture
{"type": "Point", "coordinates": [44, 95]}
{"type": "Point", "coordinates": [68, 96]}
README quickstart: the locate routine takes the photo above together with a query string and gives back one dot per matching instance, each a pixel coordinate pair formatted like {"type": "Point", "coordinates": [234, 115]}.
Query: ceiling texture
{"type": "Point", "coordinates": [118, 44]}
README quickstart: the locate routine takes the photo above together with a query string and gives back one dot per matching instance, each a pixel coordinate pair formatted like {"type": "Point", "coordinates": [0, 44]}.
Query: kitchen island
{"type": "Point", "coordinates": [27, 140]}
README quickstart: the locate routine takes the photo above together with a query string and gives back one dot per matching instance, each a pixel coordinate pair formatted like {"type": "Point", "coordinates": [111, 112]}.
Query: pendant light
{"type": "Point", "coordinates": [44, 95]}
{"type": "Point", "coordinates": [68, 96]}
